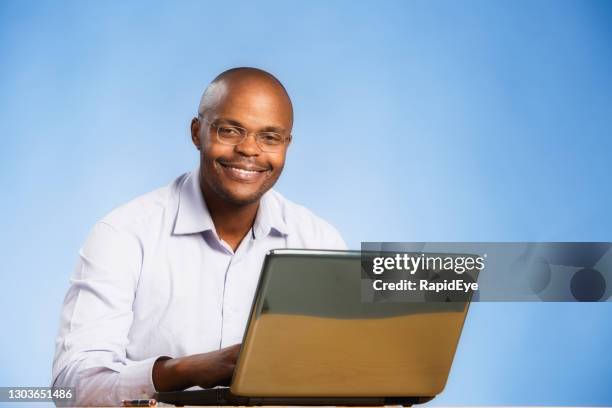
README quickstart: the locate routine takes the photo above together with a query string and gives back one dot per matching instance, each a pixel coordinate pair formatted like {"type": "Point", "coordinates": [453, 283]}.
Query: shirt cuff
{"type": "Point", "coordinates": [136, 379]}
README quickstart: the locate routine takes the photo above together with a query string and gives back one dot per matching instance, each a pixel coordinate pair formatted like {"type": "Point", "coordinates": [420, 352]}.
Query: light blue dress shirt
{"type": "Point", "coordinates": [154, 279]}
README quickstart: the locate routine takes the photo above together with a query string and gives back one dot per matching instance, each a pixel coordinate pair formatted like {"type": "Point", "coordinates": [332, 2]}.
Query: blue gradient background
{"type": "Point", "coordinates": [415, 121]}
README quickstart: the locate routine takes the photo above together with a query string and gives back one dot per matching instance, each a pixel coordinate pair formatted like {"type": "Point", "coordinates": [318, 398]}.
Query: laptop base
{"type": "Point", "coordinates": [223, 396]}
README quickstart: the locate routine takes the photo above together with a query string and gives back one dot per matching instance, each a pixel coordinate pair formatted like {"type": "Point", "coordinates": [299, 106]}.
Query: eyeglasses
{"type": "Point", "coordinates": [269, 142]}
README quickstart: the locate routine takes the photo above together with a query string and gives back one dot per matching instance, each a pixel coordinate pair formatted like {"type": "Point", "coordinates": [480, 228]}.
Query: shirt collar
{"type": "Point", "coordinates": [269, 219]}
{"type": "Point", "coordinates": [193, 215]}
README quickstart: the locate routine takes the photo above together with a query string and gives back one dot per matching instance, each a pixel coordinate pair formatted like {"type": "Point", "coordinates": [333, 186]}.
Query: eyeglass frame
{"type": "Point", "coordinates": [286, 138]}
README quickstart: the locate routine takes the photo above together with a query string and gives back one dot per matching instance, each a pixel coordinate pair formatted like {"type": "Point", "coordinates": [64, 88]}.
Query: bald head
{"type": "Point", "coordinates": [261, 87]}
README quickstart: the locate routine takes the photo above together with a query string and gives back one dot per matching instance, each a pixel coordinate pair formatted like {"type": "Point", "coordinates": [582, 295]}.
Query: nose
{"type": "Point", "coordinates": [249, 146]}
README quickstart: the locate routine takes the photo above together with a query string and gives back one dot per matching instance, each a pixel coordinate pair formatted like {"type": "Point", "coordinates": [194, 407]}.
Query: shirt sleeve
{"type": "Point", "coordinates": [335, 240]}
{"type": "Point", "coordinates": [90, 350]}
{"type": "Point", "coordinates": [329, 237]}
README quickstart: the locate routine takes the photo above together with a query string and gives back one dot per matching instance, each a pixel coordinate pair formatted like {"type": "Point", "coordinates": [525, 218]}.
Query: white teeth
{"type": "Point", "coordinates": [242, 171]}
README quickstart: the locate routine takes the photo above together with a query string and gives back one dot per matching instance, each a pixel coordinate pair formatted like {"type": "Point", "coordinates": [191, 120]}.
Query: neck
{"type": "Point", "coordinates": [232, 221]}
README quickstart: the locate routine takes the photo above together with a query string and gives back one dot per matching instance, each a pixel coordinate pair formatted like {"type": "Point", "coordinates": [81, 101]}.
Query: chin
{"type": "Point", "coordinates": [243, 200]}
{"type": "Point", "coordinates": [241, 197]}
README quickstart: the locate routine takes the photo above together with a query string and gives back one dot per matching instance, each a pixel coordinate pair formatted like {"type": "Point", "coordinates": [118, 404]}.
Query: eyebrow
{"type": "Point", "coordinates": [238, 124]}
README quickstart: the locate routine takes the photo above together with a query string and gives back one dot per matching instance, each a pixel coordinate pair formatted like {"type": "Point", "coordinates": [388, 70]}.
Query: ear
{"type": "Point", "coordinates": [195, 133]}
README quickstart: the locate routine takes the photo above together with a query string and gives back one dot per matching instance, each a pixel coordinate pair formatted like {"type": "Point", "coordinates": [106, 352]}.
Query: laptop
{"type": "Point", "coordinates": [317, 336]}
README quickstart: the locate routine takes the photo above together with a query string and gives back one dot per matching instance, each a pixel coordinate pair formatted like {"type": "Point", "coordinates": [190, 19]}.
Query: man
{"type": "Point", "coordinates": [161, 294]}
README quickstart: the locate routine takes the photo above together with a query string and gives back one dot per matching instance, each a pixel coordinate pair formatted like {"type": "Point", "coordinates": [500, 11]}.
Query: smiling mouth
{"type": "Point", "coordinates": [243, 172]}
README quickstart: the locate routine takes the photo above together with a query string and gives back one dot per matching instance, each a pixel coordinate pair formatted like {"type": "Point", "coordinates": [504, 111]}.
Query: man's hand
{"type": "Point", "coordinates": [206, 370]}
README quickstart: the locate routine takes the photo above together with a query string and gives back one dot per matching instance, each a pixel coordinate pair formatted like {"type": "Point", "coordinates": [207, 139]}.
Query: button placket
{"type": "Point", "coordinates": [223, 308]}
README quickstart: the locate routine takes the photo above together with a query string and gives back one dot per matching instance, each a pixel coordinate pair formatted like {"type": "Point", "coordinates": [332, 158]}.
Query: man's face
{"type": "Point", "coordinates": [241, 174]}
